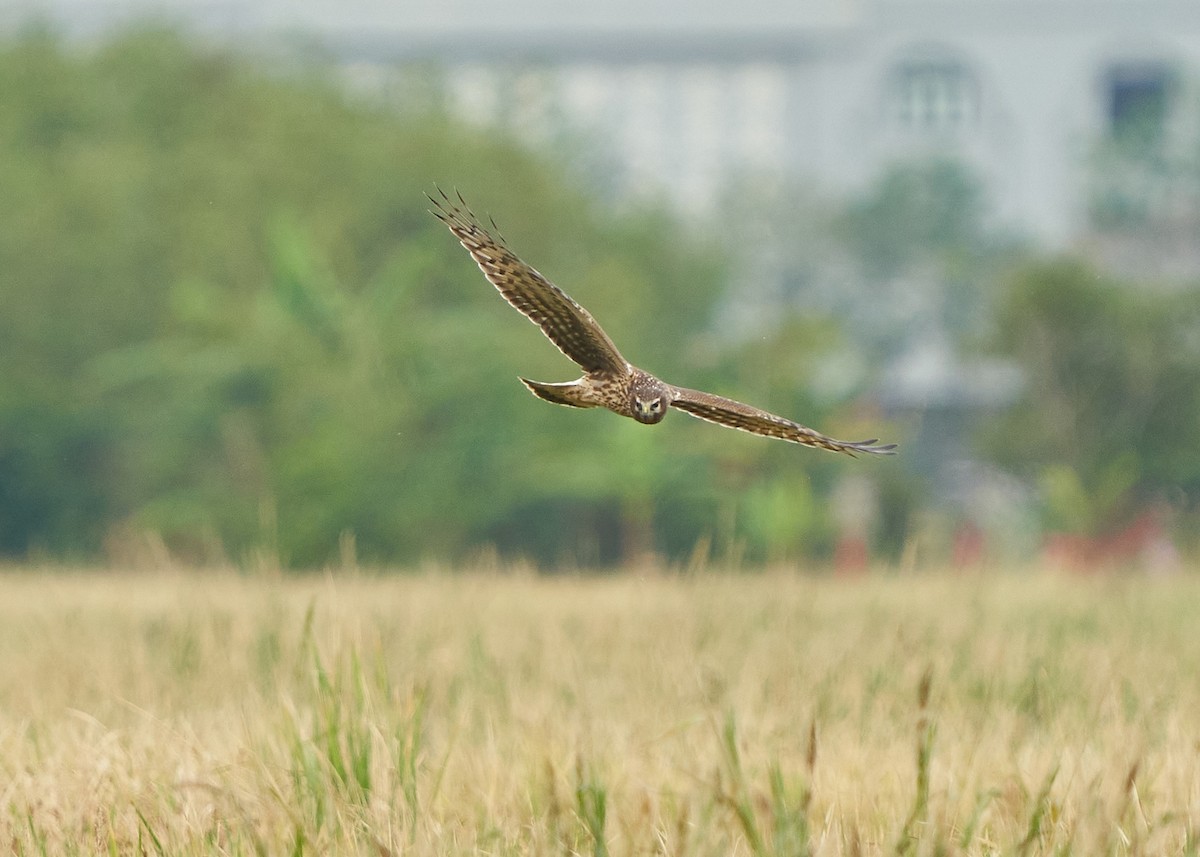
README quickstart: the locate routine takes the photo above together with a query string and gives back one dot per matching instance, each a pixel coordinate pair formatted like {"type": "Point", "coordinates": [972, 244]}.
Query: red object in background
{"type": "Point", "coordinates": [968, 549]}
{"type": "Point", "coordinates": [1145, 540]}
{"type": "Point", "coordinates": [850, 557]}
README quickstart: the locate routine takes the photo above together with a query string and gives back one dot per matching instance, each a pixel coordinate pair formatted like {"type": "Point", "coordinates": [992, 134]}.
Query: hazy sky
{"type": "Point", "coordinates": [344, 17]}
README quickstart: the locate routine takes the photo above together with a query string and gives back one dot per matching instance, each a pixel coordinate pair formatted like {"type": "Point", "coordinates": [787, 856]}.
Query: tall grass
{"type": "Point", "coordinates": [503, 714]}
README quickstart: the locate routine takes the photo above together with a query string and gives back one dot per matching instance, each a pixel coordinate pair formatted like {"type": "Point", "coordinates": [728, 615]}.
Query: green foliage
{"type": "Point", "coordinates": [910, 262]}
{"type": "Point", "coordinates": [230, 321]}
{"type": "Point", "coordinates": [591, 804]}
{"type": "Point", "coordinates": [914, 212]}
{"type": "Point", "coordinates": [1113, 391]}
{"type": "Point", "coordinates": [921, 240]}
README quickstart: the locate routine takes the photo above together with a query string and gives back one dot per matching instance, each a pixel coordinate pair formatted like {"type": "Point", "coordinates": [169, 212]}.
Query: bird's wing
{"type": "Point", "coordinates": [727, 412]}
{"type": "Point", "coordinates": [565, 323]}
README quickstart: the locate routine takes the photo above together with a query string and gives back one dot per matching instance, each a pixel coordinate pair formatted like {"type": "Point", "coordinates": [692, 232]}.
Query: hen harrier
{"type": "Point", "coordinates": [609, 380]}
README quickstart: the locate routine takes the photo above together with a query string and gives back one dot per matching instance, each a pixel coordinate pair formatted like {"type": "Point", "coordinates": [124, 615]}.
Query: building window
{"type": "Point", "coordinates": [933, 96]}
{"type": "Point", "coordinates": [1139, 102]}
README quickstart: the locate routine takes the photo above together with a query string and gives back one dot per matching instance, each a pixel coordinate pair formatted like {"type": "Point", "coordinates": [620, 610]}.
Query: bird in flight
{"type": "Point", "coordinates": [609, 380]}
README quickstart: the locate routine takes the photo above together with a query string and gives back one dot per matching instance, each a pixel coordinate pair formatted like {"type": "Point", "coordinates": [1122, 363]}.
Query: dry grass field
{"type": "Point", "coordinates": [500, 713]}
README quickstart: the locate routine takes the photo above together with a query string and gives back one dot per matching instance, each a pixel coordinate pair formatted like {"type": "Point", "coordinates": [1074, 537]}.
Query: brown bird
{"type": "Point", "coordinates": [609, 380]}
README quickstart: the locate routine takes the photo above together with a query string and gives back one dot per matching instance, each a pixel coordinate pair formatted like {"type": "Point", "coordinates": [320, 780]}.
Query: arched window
{"type": "Point", "coordinates": [933, 96]}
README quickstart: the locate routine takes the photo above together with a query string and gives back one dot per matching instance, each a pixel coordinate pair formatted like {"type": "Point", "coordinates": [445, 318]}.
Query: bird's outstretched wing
{"type": "Point", "coordinates": [727, 412]}
{"type": "Point", "coordinates": [565, 323]}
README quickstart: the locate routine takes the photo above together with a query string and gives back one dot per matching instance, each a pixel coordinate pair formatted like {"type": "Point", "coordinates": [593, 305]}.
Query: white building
{"type": "Point", "coordinates": [685, 94]}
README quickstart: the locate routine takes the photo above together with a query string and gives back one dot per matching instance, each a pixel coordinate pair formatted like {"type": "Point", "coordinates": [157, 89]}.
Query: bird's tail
{"type": "Point", "coordinates": [567, 393]}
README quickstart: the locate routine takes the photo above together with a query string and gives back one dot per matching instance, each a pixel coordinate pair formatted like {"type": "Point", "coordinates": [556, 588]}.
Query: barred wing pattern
{"type": "Point", "coordinates": [565, 323]}
{"type": "Point", "coordinates": [610, 380]}
{"type": "Point", "coordinates": [727, 412]}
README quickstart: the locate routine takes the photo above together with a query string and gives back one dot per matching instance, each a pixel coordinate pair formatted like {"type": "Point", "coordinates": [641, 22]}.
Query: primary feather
{"type": "Point", "coordinates": [609, 379]}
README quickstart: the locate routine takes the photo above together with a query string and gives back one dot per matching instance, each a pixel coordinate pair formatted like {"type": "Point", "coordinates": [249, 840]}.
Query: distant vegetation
{"type": "Point", "coordinates": [1107, 423]}
{"type": "Point", "coordinates": [229, 322]}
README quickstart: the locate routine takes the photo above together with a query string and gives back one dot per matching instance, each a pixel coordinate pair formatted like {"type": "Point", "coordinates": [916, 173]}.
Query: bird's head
{"type": "Point", "coordinates": [649, 411]}
{"type": "Point", "coordinates": [649, 399]}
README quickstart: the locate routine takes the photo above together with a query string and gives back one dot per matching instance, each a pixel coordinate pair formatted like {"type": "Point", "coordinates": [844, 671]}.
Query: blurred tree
{"type": "Point", "coordinates": [925, 254]}
{"type": "Point", "coordinates": [914, 255]}
{"type": "Point", "coordinates": [1113, 392]}
{"type": "Point", "coordinates": [914, 212]}
{"type": "Point", "coordinates": [908, 264]}
{"type": "Point", "coordinates": [229, 320]}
